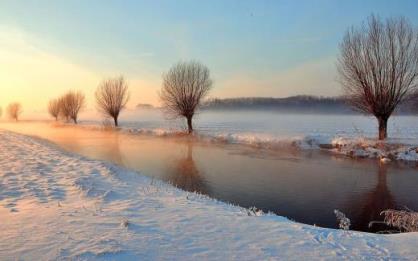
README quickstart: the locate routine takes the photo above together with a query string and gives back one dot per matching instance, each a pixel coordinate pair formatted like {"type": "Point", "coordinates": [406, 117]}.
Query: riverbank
{"type": "Point", "coordinates": [346, 143]}
{"type": "Point", "coordinates": [56, 205]}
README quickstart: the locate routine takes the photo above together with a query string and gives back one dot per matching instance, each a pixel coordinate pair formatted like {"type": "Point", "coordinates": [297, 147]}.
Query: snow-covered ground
{"type": "Point", "coordinates": [55, 205]}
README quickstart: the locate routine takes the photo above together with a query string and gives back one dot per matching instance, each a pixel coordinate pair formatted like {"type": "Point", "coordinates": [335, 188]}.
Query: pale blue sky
{"type": "Point", "coordinates": [253, 48]}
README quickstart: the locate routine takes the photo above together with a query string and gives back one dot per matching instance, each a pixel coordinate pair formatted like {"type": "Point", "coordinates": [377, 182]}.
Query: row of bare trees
{"type": "Point", "coordinates": [67, 106]}
{"type": "Point", "coordinates": [111, 97]}
{"type": "Point", "coordinates": [185, 85]}
{"type": "Point", "coordinates": [378, 69]}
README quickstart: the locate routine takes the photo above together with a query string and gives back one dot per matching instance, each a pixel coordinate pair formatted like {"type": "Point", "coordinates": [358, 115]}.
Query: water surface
{"type": "Point", "coordinates": [305, 186]}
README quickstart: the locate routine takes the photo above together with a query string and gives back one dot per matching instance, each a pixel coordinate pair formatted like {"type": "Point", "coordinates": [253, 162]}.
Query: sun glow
{"type": "Point", "coordinates": [32, 76]}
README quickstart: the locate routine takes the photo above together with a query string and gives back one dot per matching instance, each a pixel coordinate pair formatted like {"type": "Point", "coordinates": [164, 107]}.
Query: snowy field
{"type": "Point", "coordinates": [55, 205]}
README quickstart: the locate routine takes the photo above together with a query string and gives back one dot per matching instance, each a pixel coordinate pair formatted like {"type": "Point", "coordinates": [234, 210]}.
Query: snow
{"type": "Point", "coordinates": [55, 205]}
{"type": "Point", "coordinates": [370, 148]}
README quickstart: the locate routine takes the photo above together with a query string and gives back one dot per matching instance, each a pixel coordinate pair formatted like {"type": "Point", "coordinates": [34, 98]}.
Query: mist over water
{"type": "Point", "coordinates": [258, 122]}
{"type": "Point", "coordinates": [269, 125]}
{"type": "Point", "coordinates": [305, 186]}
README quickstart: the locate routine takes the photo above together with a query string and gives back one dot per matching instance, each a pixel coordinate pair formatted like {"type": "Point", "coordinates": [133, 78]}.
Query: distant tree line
{"type": "Point", "coordinates": [297, 104]}
{"type": "Point", "coordinates": [301, 103]}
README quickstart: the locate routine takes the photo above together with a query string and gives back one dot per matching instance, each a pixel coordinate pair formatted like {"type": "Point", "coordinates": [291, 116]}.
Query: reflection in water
{"type": "Point", "coordinates": [184, 173]}
{"type": "Point", "coordinates": [374, 202]}
{"type": "Point", "coordinates": [306, 186]}
{"type": "Point", "coordinates": [113, 150]}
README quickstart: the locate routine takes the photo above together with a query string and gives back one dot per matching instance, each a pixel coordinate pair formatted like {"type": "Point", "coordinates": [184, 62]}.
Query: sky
{"type": "Point", "coordinates": [252, 48]}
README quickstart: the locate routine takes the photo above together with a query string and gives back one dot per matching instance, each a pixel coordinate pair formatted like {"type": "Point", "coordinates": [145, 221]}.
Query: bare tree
{"type": "Point", "coordinates": [71, 104]}
{"type": "Point", "coordinates": [378, 67]}
{"type": "Point", "coordinates": [14, 110]}
{"type": "Point", "coordinates": [64, 110]}
{"type": "Point", "coordinates": [54, 108]}
{"type": "Point", "coordinates": [112, 96]}
{"type": "Point", "coordinates": [184, 87]}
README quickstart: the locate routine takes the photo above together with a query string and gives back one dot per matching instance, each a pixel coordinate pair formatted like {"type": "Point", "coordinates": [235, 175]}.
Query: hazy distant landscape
{"type": "Point", "coordinates": [296, 104]}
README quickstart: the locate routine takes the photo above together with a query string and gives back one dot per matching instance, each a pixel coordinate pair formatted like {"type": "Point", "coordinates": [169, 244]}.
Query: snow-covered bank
{"type": "Point", "coordinates": [55, 205]}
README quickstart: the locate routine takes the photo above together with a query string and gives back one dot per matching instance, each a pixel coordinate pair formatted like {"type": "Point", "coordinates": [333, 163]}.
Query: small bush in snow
{"type": "Point", "coordinates": [343, 221]}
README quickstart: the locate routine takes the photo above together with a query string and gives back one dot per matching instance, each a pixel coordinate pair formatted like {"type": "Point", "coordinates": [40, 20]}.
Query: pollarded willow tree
{"type": "Point", "coordinates": [71, 104]}
{"type": "Point", "coordinates": [14, 110]}
{"type": "Point", "coordinates": [112, 96]}
{"type": "Point", "coordinates": [378, 67]}
{"type": "Point", "coordinates": [54, 108]}
{"type": "Point", "coordinates": [185, 85]}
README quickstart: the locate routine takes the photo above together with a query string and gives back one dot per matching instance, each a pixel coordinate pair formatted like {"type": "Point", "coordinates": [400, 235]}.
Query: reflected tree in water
{"type": "Point", "coordinates": [185, 174]}
{"type": "Point", "coordinates": [111, 151]}
{"type": "Point", "coordinates": [374, 202]}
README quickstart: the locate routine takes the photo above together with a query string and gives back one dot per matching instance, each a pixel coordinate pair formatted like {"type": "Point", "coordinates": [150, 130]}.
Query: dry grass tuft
{"type": "Point", "coordinates": [404, 220]}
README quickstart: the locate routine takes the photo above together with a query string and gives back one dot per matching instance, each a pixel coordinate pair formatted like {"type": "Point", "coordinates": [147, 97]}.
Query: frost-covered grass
{"type": "Point", "coordinates": [370, 148]}
{"type": "Point", "coordinates": [404, 220]}
{"type": "Point", "coordinates": [56, 205]}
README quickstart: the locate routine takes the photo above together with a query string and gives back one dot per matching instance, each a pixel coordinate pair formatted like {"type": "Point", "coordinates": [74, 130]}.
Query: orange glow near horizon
{"type": "Point", "coordinates": [32, 77]}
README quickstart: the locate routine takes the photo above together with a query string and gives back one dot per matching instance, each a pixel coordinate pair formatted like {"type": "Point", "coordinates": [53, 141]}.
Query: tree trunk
{"type": "Point", "coordinates": [189, 124]}
{"type": "Point", "coordinates": [75, 120]}
{"type": "Point", "coordinates": [383, 123]}
{"type": "Point", "coordinates": [115, 119]}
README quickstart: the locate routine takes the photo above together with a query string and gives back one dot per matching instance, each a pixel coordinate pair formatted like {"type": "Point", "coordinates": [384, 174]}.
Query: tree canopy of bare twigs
{"type": "Point", "coordinates": [378, 66]}
{"type": "Point", "coordinates": [185, 85]}
{"type": "Point", "coordinates": [112, 96]}
{"type": "Point", "coordinates": [54, 108]}
{"type": "Point", "coordinates": [71, 104]}
{"type": "Point", "coordinates": [14, 110]}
